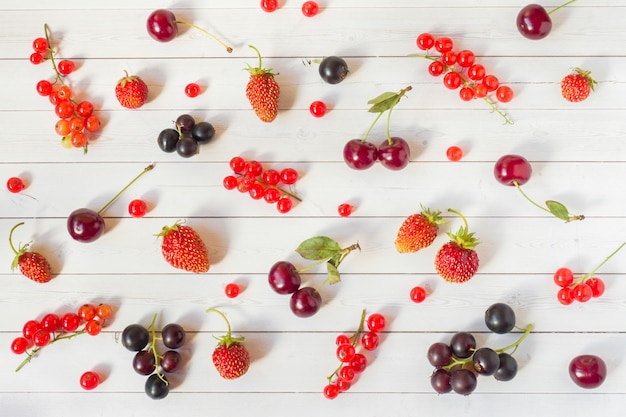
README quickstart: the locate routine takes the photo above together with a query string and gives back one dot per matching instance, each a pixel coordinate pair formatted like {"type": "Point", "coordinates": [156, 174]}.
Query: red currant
{"type": "Point", "coordinates": [345, 352]}
{"type": "Point", "coordinates": [40, 45]}
{"type": "Point", "coordinates": [242, 187]}
{"type": "Point", "coordinates": [376, 322]}
{"type": "Point", "coordinates": [248, 179]}
{"type": "Point", "coordinates": [342, 339]}
{"type": "Point", "coordinates": [84, 109]}
{"type": "Point", "coordinates": [271, 177]}
{"type": "Point", "coordinates": [44, 88]}
{"type": "Point", "coordinates": [563, 277]}
{"type": "Point", "coordinates": [359, 362]}
{"type": "Point", "coordinates": [284, 205]}
{"type": "Point", "coordinates": [15, 184]}
{"type": "Point", "coordinates": [467, 93]}
{"type": "Point", "coordinates": [87, 312]}
{"type": "Point", "coordinates": [76, 124]}
{"type": "Point", "coordinates": [41, 338]}
{"type": "Point", "coordinates": [289, 176]}
{"type": "Point", "coordinates": [443, 44]}
{"type": "Point", "coordinates": [369, 340]}
{"type": "Point", "coordinates": [565, 296]}
{"type": "Point", "coordinates": [237, 164]}
{"type": "Point", "coordinates": [347, 373]}
{"type": "Point", "coordinates": [435, 68]}
{"type": "Point", "coordinates": [596, 285]}
{"type": "Point", "coordinates": [345, 209]}
{"type": "Point", "coordinates": [66, 67]}
{"type": "Point", "coordinates": [425, 41]}
{"type": "Point", "coordinates": [582, 292]}
{"type": "Point", "coordinates": [36, 58]}
{"type": "Point", "coordinates": [476, 72]}
{"type": "Point", "coordinates": [343, 385]}
{"type": "Point", "coordinates": [137, 208]}
{"type": "Point", "coordinates": [504, 94]}
{"type": "Point", "coordinates": [491, 82]}
{"type": "Point", "coordinates": [192, 90]}
{"type": "Point", "coordinates": [64, 92]}
{"type": "Point", "coordinates": [331, 391]}
{"type": "Point", "coordinates": [256, 191]}
{"type": "Point", "coordinates": [92, 123]}
{"type": "Point", "coordinates": [30, 328]}
{"type": "Point", "coordinates": [230, 182]}
{"type": "Point", "coordinates": [465, 58]}
{"type": "Point", "coordinates": [70, 322]}
{"type": "Point", "coordinates": [254, 168]}
{"type": "Point", "coordinates": [269, 5]}
{"type": "Point", "coordinates": [93, 327]}
{"type": "Point", "coordinates": [418, 294]}
{"type": "Point", "coordinates": [104, 311]}
{"type": "Point", "coordinates": [231, 290]}
{"type": "Point", "coordinates": [454, 153]}
{"type": "Point", "coordinates": [19, 345]}
{"type": "Point", "coordinates": [448, 58]}
{"type": "Point", "coordinates": [53, 97]}
{"type": "Point", "coordinates": [310, 8]}
{"type": "Point", "coordinates": [64, 109]}
{"type": "Point", "coordinates": [51, 323]}
{"type": "Point", "coordinates": [272, 195]}
{"type": "Point", "coordinates": [480, 91]}
{"type": "Point", "coordinates": [452, 80]}
{"type": "Point", "coordinates": [78, 139]}
{"type": "Point", "coordinates": [89, 380]}
{"type": "Point", "coordinates": [318, 108]}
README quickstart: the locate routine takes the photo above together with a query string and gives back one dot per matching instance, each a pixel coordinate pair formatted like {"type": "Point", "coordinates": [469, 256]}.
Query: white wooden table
{"type": "Point", "coordinates": [577, 152]}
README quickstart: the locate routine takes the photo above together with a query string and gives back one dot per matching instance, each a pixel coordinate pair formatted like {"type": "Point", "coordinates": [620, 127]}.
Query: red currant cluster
{"type": "Point", "coordinates": [76, 118]}
{"type": "Point", "coordinates": [353, 363]}
{"type": "Point", "coordinates": [460, 71]}
{"type": "Point", "coordinates": [582, 288]}
{"type": "Point", "coordinates": [36, 334]}
{"type": "Point", "coordinates": [250, 177]}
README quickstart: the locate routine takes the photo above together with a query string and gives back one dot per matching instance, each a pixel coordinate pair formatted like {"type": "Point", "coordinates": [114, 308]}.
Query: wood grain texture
{"type": "Point", "coordinates": [577, 152]}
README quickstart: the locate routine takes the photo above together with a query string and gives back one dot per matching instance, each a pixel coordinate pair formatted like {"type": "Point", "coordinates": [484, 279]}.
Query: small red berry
{"type": "Point", "coordinates": [331, 391]}
{"type": "Point", "coordinates": [40, 45]}
{"type": "Point", "coordinates": [565, 296]}
{"type": "Point", "coordinates": [310, 8]}
{"type": "Point", "coordinates": [272, 195]}
{"type": "Point", "coordinates": [504, 94]}
{"type": "Point", "coordinates": [36, 58]}
{"type": "Point", "coordinates": [342, 339]}
{"type": "Point", "coordinates": [597, 286]}
{"type": "Point", "coordinates": [345, 210]}
{"type": "Point", "coordinates": [582, 292]}
{"type": "Point", "coordinates": [66, 67]}
{"type": "Point", "coordinates": [254, 168]}
{"type": "Point", "coordinates": [51, 322]}
{"type": "Point", "coordinates": [271, 177]}
{"type": "Point", "coordinates": [418, 294]}
{"type": "Point", "coordinates": [89, 380]}
{"type": "Point", "coordinates": [93, 327]}
{"type": "Point", "coordinates": [345, 352]}
{"type": "Point", "coordinates": [563, 277]}
{"type": "Point", "coordinates": [491, 82]}
{"type": "Point", "coordinates": [30, 328]}
{"type": "Point", "coordinates": [467, 93]}
{"type": "Point", "coordinates": [318, 108]}
{"type": "Point", "coordinates": [452, 80]}
{"type": "Point", "coordinates": [192, 90]}
{"type": "Point", "coordinates": [284, 205]}
{"type": "Point", "coordinates": [231, 290]}
{"type": "Point", "coordinates": [465, 58]}
{"type": "Point", "coordinates": [269, 5]}
{"type": "Point", "coordinates": [435, 68]}
{"type": "Point", "coordinates": [15, 184]}
{"type": "Point", "coordinates": [70, 322]}
{"type": "Point", "coordinates": [443, 44]}
{"type": "Point", "coordinates": [289, 176]}
{"type": "Point", "coordinates": [19, 345]}
{"type": "Point", "coordinates": [104, 311]}
{"type": "Point", "coordinates": [425, 41]}
{"type": "Point", "coordinates": [137, 208]}
{"type": "Point", "coordinates": [41, 338]}
{"type": "Point", "coordinates": [237, 164]}
{"type": "Point", "coordinates": [347, 373]}
{"type": "Point", "coordinates": [87, 312]}
{"type": "Point", "coordinates": [359, 362]}
{"type": "Point", "coordinates": [84, 109]}
{"type": "Point", "coordinates": [370, 340]}
{"type": "Point", "coordinates": [44, 88]}
{"type": "Point", "coordinates": [376, 322]}
{"type": "Point", "coordinates": [454, 153]}
{"type": "Point", "coordinates": [230, 182]}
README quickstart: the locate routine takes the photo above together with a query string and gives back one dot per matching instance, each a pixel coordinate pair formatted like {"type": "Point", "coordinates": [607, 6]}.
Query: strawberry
{"type": "Point", "coordinates": [418, 231]}
{"type": "Point", "coordinates": [183, 248]}
{"type": "Point", "coordinates": [230, 356]}
{"type": "Point", "coordinates": [457, 261]}
{"type": "Point", "coordinates": [131, 91]}
{"type": "Point", "coordinates": [263, 91]}
{"type": "Point", "coordinates": [576, 87]}
{"type": "Point", "coordinates": [32, 265]}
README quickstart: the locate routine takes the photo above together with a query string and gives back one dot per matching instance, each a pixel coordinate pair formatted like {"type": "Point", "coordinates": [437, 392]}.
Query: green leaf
{"type": "Point", "coordinates": [385, 104]}
{"type": "Point", "coordinates": [333, 273]}
{"type": "Point", "coordinates": [318, 248]}
{"type": "Point", "coordinates": [558, 210]}
{"type": "Point", "coordinates": [382, 97]}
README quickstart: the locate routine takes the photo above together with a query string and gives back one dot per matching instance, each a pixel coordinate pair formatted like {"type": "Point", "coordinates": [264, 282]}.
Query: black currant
{"type": "Point", "coordinates": [173, 336]}
{"type": "Point", "coordinates": [463, 381]}
{"type": "Point", "coordinates": [185, 122]}
{"type": "Point", "coordinates": [135, 337]}
{"type": "Point", "coordinates": [333, 69]}
{"type": "Point", "coordinates": [463, 344]}
{"type": "Point", "coordinates": [485, 361]}
{"type": "Point", "coordinates": [167, 140]}
{"type": "Point", "coordinates": [439, 354]}
{"type": "Point", "coordinates": [157, 387]}
{"type": "Point", "coordinates": [203, 132]}
{"type": "Point", "coordinates": [500, 318]}
{"type": "Point", "coordinates": [187, 147]}
{"type": "Point", "coordinates": [440, 381]}
{"type": "Point", "coordinates": [144, 362]}
{"type": "Point", "coordinates": [507, 369]}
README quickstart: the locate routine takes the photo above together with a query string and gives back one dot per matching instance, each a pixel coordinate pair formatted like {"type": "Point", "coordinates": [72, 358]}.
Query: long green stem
{"type": "Point", "coordinates": [561, 6]}
{"type": "Point", "coordinates": [116, 196]}
{"type": "Point", "coordinates": [516, 184]}
{"type": "Point", "coordinates": [582, 278]}
{"type": "Point", "coordinates": [228, 48]}
{"type": "Point", "coordinates": [56, 338]}
{"type": "Point", "coordinates": [58, 77]}
{"type": "Point", "coordinates": [11, 237]}
{"type": "Point", "coordinates": [371, 127]}
{"type": "Point", "coordinates": [214, 310]}
{"type": "Point", "coordinates": [153, 349]}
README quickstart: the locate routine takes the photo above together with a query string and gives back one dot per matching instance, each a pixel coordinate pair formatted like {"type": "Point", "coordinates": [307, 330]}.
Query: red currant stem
{"type": "Point", "coordinates": [371, 127]}
{"type": "Point", "coordinates": [561, 6]}
{"type": "Point", "coordinates": [152, 349]}
{"type": "Point", "coordinates": [56, 338]}
{"type": "Point", "coordinates": [58, 76]}
{"type": "Point", "coordinates": [494, 108]}
{"type": "Point", "coordinates": [228, 48]}
{"type": "Point", "coordinates": [582, 278]}
{"type": "Point", "coordinates": [353, 341]}
{"type": "Point", "coordinates": [11, 238]}
{"type": "Point", "coordinates": [116, 196]}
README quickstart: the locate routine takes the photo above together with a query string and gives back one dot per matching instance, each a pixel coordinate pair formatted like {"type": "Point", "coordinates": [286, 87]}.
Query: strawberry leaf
{"type": "Point", "coordinates": [558, 210]}
{"type": "Point", "coordinates": [333, 273]}
{"type": "Point", "coordinates": [318, 248]}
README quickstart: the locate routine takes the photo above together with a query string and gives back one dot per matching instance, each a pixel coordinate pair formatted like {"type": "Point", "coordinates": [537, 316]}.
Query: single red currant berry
{"type": "Point", "coordinates": [504, 94]}
{"type": "Point", "coordinates": [237, 164]}
{"type": "Point", "coordinates": [369, 340]}
{"type": "Point", "coordinates": [15, 184]}
{"type": "Point", "coordinates": [289, 176]}
{"type": "Point", "coordinates": [347, 373]}
{"type": "Point", "coordinates": [66, 67]}
{"type": "Point", "coordinates": [331, 391]}
{"type": "Point", "coordinates": [104, 311]}
{"type": "Point", "coordinates": [231, 290]}
{"type": "Point", "coordinates": [480, 91]}
{"type": "Point", "coordinates": [454, 153]}
{"type": "Point", "coordinates": [64, 109]}
{"type": "Point", "coordinates": [53, 97]}
{"type": "Point", "coordinates": [64, 92]}
{"type": "Point", "coordinates": [269, 5]}
{"type": "Point", "coordinates": [563, 277]}
{"type": "Point", "coordinates": [376, 322]}
{"type": "Point", "coordinates": [465, 58]}
{"type": "Point", "coordinates": [137, 208]}
{"type": "Point", "coordinates": [254, 168]}
{"type": "Point", "coordinates": [51, 323]}
{"type": "Point", "coordinates": [358, 362]}
{"type": "Point", "coordinates": [597, 286]}
{"type": "Point", "coordinates": [272, 195]}
{"type": "Point", "coordinates": [435, 68]}
{"type": "Point", "coordinates": [582, 292]}
{"type": "Point", "coordinates": [192, 90]}
{"type": "Point", "coordinates": [345, 209]}
{"type": "Point", "coordinates": [467, 93]}
{"type": "Point", "coordinates": [318, 108]}
{"type": "Point", "coordinates": [40, 45]}
{"type": "Point", "coordinates": [491, 82]}
{"type": "Point", "coordinates": [84, 109]}
{"type": "Point", "coordinates": [271, 177]}
{"type": "Point", "coordinates": [448, 58]}
{"type": "Point", "coordinates": [89, 380]}
{"type": "Point", "coordinates": [30, 328]}
{"type": "Point", "coordinates": [44, 88]}
{"type": "Point", "coordinates": [418, 294]}
{"type": "Point", "coordinates": [284, 205]}
{"type": "Point", "coordinates": [565, 296]}
{"type": "Point", "coordinates": [343, 385]}
{"type": "Point", "coordinates": [76, 124]}
{"type": "Point", "coordinates": [242, 187]}
{"type": "Point", "coordinates": [248, 179]}
{"type": "Point", "coordinates": [256, 191]}
{"type": "Point", "coordinates": [41, 338]}
{"type": "Point", "coordinates": [476, 72]}
{"type": "Point", "coordinates": [92, 123]}
{"type": "Point", "coordinates": [345, 352]}
{"type": "Point", "coordinates": [310, 8]}
{"type": "Point", "coordinates": [78, 139]}
{"type": "Point", "coordinates": [36, 58]}
{"type": "Point", "coordinates": [19, 345]}
{"type": "Point", "coordinates": [230, 182]}
{"type": "Point", "coordinates": [93, 327]}
{"type": "Point", "coordinates": [87, 312]}
{"type": "Point", "coordinates": [70, 322]}
{"type": "Point", "coordinates": [443, 44]}
{"type": "Point", "coordinates": [342, 339]}
{"type": "Point", "coordinates": [425, 41]}
{"type": "Point", "coordinates": [452, 80]}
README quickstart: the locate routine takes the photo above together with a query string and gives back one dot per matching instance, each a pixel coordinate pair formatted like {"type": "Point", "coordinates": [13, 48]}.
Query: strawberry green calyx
{"type": "Point", "coordinates": [433, 217]}
{"type": "Point", "coordinates": [259, 70]}
{"type": "Point", "coordinates": [587, 76]}
{"type": "Point", "coordinates": [127, 79]}
{"type": "Point", "coordinates": [385, 102]}
{"type": "Point", "coordinates": [166, 229]}
{"type": "Point", "coordinates": [462, 237]}
{"type": "Point", "coordinates": [226, 340]}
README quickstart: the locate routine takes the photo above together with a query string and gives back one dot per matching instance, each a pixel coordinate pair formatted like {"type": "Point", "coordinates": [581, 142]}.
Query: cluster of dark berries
{"type": "Point", "coordinates": [36, 334]}
{"type": "Point", "coordinates": [353, 363]}
{"type": "Point", "coordinates": [459, 362]}
{"type": "Point", "coordinates": [148, 361]}
{"type": "Point", "coordinates": [259, 183]}
{"type": "Point", "coordinates": [187, 137]}
{"type": "Point", "coordinates": [461, 71]}
{"type": "Point", "coordinates": [76, 118]}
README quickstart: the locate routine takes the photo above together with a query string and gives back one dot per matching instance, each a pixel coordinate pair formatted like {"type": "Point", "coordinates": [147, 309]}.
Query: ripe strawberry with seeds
{"type": "Point", "coordinates": [418, 231]}
{"type": "Point", "coordinates": [577, 86]}
{"type": "Point", "coordinates": [184, 249]}
{"type": "Point", "coordinates": [230, 357]}
{"type": "Point", "coordinates": [263, 91]}
{"type": "Point", "coordinates": [131, 91]}
{"type": "Point", "coordinates": [457, 261]}
{"type": "Point", "coordinates": [32, 265]}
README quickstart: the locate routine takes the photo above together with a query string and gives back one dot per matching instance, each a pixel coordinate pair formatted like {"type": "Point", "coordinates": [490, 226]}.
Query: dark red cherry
{"type": "Point", "coordinates": [534, 22]}
{"type": "Point", "coordinates": [284, 278]}
{"type": "Point", "coordinates": [360, 155]}
{"type": "Point", "coordinates": [161, 25]}
{"type": "Point", "coordinates": [305, 302]}
{"type": "Point", "coordinates": [512, 168]}
{"type": "Point", "coordinates": [85, 225]}
{"type": "Point", "coordinates": [587, 371]}
{"type": "Point", "coordinates": [396, 155]}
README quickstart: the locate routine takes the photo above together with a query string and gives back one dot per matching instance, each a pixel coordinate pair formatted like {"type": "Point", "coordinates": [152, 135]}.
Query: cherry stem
{"type": "Point", "coordinates": [371, 126]}
{"type": "Point", "coordinates": [116, 196]}
{"type": "Point", "coordinates": [353, 341]}
{"type": "Point", "coordinates": [11, 237]}
{"type": "Point", "coordinates": [561, 6]}
{"type": "Point", "coordinates": [570, 217]}
{"type": "Point", "coordinates": [228, 48]}
{"type": "Point", "coordinates": [152, 349]}
{"type": "Point", "coordinates": [342, 255]}
{"type": "Point", "coordinates": [214, 310]}
{"type": "Point", "coordinates": [590, 274]}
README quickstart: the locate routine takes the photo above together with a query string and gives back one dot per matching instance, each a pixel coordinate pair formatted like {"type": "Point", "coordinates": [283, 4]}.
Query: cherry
{"type": "Point", "coordinates": [231, 290]}
{"type": "Point", "coordinates": [587, 371]}
{"type": "Point", "coordinates": [192, 90]}
{"type": "Point", "coordinates": [269, 5]}
{"type": "Point", "coordinates": [284, 278]}
{"type": "Point", "coordinates": [533, 22]}
{"type": "Point", "coordinates": [15, 184]}
{"type": "Point", "coordinates": [512, 170]}
{"type": "Point", "coordinates": [89, 380]}
{"type": "Point", "coordinates": [310, 8]}
{"type": "Point", "coordinates": [454, 153]}
{"type": "Point", "coordinates": [137, 208]}
{"type": "Point", "coordinates": [345, 210]}
{"type": "Point", "coordinates": [418, 294]}
{"type": "Point", "coordinates": [305, 302]}
{"type": "Point", "coordinates": [359, 154]}
{"type": "Point", "coordinates": [86, 225]}
{"type": "Point", "coordinates": [318, 108]}
{"type": "Point", "coordinates": [394, 153]}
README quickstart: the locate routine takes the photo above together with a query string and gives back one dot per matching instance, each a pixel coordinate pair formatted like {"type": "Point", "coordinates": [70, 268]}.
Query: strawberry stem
{"type": "Point", "coordinates": [466, 226]}
{"type": "Point", "coordinates": [560, 7]}
{"type": "Point", "coordinates": [15, 251]}
{"type": "Point", "coordinates": [116, 196]}
{"type": "Point", "coordinates": [228, 48]}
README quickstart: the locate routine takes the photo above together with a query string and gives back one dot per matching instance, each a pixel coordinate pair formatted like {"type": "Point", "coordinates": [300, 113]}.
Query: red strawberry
{"type": "Point", "coordinates": [131, 91]}
{"type": "Point", "coordinates": [230, 357]}
{"type": "Point", "coordinates": [263, 91]}
{"type": "Point", "coordinates": [418, 231]}
{"type": "Point", "coordinates": [184, 249]}
{"type": "Point", "coordinates": [32, 265]}
{"type": "Point", "coordinates": [577, 86]}
{"type": "Point", "coordinates": [457, 261]}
